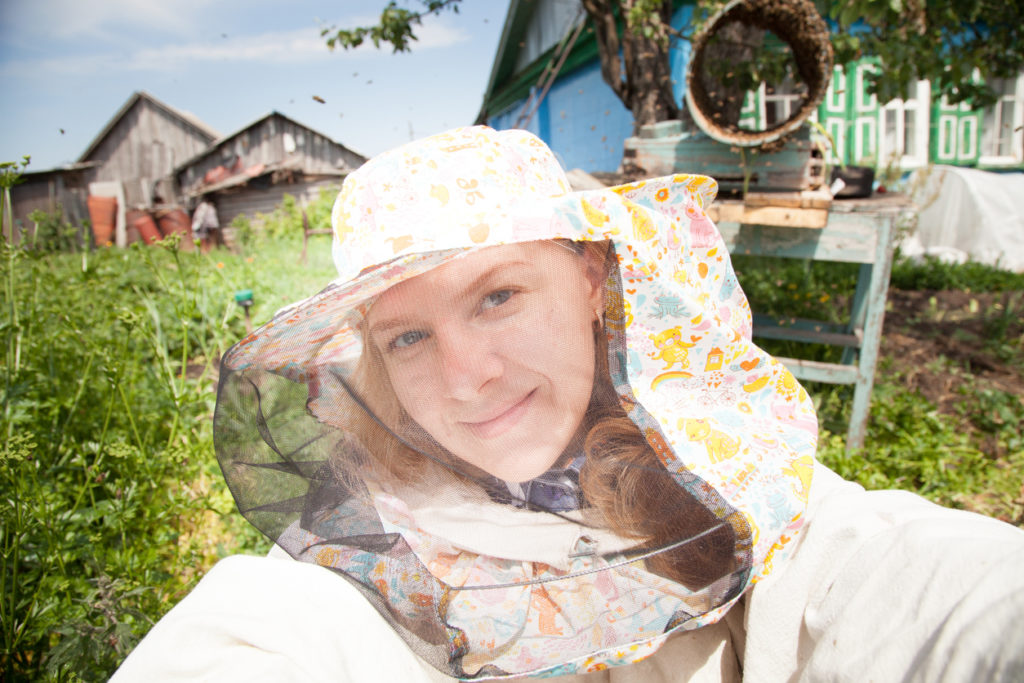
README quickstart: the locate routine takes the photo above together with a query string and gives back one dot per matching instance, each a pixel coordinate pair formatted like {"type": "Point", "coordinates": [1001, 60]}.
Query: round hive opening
{"type": "Point", "coordinates": [787, 38]}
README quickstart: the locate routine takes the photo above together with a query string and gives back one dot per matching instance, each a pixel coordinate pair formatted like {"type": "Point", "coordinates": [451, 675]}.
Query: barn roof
{"type": "Point", "coordinates": [187, 118]}
{"type": "Point", "coordinates": [226, 139]}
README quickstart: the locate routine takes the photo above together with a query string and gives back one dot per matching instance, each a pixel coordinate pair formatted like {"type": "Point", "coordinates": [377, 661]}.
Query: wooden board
{"type": "Point", "coordinates": [809, 199]}
{"type": "Point", "coordinates": [768, 215]}
{"type": "Point", "coordinates": [660, 152]}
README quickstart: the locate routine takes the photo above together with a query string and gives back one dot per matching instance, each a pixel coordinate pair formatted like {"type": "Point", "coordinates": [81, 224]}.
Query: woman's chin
{"type": "Point", "coordinates": [515, 466]}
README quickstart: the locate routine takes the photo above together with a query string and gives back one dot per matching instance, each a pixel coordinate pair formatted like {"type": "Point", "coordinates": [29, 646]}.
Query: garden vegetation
{"type": "Point", "coordinates": [112, 502]}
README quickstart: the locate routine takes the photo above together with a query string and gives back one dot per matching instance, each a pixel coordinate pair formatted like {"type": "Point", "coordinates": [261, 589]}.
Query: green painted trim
{"type": "Point", "coordinates": [1009, 168]}
{"type": "Point", "coordinates": [518, 87]}
{"type": "Point", "coordinates": [517, 20]}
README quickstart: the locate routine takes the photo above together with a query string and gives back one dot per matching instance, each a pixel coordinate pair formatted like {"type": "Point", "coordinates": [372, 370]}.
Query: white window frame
{"type": "Point", "coordinates": [755, 106]}
{"type": "Point", "coordinates": [789, 102]}
{"type": "Point", "coordinates": [752, 111]}
{"type": "Point", "coordinates": [918, 103]}
{"type": "Point", "coordinates": [1016, 155]}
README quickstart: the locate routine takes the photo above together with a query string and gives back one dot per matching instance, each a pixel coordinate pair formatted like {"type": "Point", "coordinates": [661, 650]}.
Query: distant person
{"type": "Point", "coordinates": [205, 225]}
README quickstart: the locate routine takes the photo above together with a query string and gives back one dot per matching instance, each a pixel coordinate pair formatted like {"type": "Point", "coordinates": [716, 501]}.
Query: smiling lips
{"type": "Point", "coordinates": [498, 425]}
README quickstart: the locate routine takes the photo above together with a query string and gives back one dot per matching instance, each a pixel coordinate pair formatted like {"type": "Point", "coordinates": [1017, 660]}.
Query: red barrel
{"type": "Point", "coordinates": [143, 222]}
{"type": "Point", "coordinates": [175, 221]}
{"type": "Point", "coordinates": [103, 216]}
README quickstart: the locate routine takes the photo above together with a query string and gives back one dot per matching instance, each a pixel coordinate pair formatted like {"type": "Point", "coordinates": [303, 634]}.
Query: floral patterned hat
{"type": "Point", "coordinates": [731, 431]}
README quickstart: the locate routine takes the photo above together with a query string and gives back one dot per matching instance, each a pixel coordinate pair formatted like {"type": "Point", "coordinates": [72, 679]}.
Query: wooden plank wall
{"type": "Point", "coordinates": [48, 192]}
{"type": "Point", "coordinates": [264, 198]}
{"type": "Point", "coordinates": [268, 142]}
{"type": "Point", "coordinates": [145, 145]}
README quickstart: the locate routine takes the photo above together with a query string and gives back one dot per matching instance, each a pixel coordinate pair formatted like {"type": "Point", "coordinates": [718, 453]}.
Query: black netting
{"type": "Point", "coordinates": [474, 572]}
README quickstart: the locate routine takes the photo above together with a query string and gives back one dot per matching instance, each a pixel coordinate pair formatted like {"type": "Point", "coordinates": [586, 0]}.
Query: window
{"type": "Point", "coordinates": [1001, 139]}
{"type": "Point", "coordinates": [771, 105]}
{"type": "Point", "coordinates": [781, 101]}
{"type": "Point", "coordinates": [904, 129]}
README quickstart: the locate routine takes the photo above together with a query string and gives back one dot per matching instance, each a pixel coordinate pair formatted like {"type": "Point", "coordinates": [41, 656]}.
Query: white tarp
{"type": "Point", "coordinates": [966, 214]}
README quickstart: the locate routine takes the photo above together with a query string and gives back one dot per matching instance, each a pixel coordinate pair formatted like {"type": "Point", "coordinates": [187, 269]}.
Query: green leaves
{"type": "Point", "coordinates": [11, 171]}
{"type": "Point", "coordinates": [395, 27]}
{"type": "Point", "coordinates": [943, 41]}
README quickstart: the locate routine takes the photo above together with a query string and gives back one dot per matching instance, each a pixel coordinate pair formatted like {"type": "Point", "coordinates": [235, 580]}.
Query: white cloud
{"type": "Point", "coordinates": [67, 19]}
{"type": "Point", "coordinates": [278, 47]}
{"type": "Point", "coordinates": [294, 46]}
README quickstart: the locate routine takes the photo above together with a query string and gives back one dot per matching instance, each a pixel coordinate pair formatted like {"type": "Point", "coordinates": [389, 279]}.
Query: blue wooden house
{"type": "Point", "coordinates": [585, 124]}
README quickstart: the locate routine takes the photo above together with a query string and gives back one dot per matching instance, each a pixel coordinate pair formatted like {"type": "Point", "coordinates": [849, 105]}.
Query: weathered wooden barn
{"type": "Point", "coordinates": [142, 145]}
{"type": "Point", "coordinates": [132, 158]}
{"type": "Point", "coordinates": [153, 156]}
{"type": "Point", "coordinates": [250, 171]}
{"type": "Point", "coordinates": [52, 190]}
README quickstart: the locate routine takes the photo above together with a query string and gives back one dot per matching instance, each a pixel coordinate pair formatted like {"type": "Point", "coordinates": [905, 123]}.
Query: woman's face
{"type": "Point", "coordinates": [493, 353]}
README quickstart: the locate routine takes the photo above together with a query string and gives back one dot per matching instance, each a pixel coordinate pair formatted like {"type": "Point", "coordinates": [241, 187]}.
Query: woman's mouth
{"type": "Point", "coordinates": [499, 424]}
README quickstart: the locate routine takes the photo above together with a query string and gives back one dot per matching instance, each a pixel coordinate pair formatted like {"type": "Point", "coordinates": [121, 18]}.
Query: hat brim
{"type": "Point", "coordinates": [323, 329]}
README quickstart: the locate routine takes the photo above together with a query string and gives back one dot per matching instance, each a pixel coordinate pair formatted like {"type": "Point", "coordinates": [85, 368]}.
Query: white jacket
{"type": "Point", "coordinates": [882, 586]}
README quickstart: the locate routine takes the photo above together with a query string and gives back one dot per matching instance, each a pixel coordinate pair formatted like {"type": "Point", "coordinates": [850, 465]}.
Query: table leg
{"type": "Point", "coordinates": [872, 310]}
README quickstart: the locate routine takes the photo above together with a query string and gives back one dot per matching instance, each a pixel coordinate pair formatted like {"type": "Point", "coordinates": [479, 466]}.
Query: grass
{"type": "Point", "coordinates": [113, 504]}
{"type": "Point", "coordinates": [934, 274]}
{"type": "Point", "coordinates": [947, 427]}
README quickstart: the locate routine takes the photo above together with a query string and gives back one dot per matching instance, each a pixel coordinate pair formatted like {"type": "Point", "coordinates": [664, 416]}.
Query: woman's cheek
{"type": "Point", "coordinates": [411, 381]}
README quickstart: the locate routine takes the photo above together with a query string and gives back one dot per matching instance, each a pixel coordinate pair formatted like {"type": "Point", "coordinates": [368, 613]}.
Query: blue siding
{"type": "Point", "coordinates": [582, 120]}
{"type": "Point", "coordinates": [679, 53]}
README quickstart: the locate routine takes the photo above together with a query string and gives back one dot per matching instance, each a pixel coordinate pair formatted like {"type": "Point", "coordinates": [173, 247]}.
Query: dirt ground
{"type": "Point", "coordinates": [980, 337]}
{"type": "Point", "coordinates": [922, 326]}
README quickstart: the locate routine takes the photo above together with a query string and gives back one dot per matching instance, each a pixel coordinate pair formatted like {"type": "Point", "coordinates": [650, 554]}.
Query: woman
{"type": "Point", "coordinates": [529, 428]}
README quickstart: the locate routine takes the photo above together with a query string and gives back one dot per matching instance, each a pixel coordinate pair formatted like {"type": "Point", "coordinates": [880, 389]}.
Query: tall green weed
{"type": "Point", "coordinates": [112, 504]}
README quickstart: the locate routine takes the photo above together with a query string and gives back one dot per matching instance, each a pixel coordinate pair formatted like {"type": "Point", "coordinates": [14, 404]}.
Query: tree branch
{"type": "Point", "coordinates": [607, 33]}
{"type": "Point", "coordinates": [395, 26]}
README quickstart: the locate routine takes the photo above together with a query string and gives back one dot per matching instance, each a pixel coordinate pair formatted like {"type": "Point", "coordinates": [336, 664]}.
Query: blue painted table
{"type": "Point", "coordinates": [855, 231]}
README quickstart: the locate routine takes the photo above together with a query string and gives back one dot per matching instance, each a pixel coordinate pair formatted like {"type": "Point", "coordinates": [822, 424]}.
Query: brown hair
{"type": "Point", "coordinates": [622, 478]}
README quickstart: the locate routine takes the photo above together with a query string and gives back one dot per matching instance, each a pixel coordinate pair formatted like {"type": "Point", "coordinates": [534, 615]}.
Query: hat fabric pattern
{"type": "Point", "coordinates": [729, 422]}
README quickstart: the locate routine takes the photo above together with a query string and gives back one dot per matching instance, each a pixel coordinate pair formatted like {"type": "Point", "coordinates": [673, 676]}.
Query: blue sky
{"type": "Point", "coordinates": [68, 65]}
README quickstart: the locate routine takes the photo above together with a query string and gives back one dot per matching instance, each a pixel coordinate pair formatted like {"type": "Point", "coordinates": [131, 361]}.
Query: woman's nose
{"type": "Point", "coordinates": [466, 362]}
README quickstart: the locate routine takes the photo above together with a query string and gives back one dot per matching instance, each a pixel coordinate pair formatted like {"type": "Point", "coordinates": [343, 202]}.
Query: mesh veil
{"type": "Point", "coordinates": [480, 578]}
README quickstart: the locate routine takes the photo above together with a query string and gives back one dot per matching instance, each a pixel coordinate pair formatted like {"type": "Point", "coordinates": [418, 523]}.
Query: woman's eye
{"type": "Point", "coordinates": [495, 299]}
{"type": "Point", "coordinates": [407, 339]}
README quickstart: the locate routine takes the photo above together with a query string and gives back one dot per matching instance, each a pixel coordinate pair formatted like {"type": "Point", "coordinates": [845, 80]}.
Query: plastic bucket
{"type": "Point", "coordinates": [175, 221]}
{"type": "Point", "coordinates": [144, 223]}
{"type": "Point", "coordinates": [103, 216]}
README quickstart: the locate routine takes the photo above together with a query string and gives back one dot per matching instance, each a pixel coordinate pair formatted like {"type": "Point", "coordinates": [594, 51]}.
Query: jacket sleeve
{"type": "Point", "coordinates": [887, 586]}
{"type": "Point", "coordinates": [271, 619]}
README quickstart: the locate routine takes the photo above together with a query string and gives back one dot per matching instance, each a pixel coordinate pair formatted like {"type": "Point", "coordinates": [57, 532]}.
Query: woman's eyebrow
{"type": "Point", "coordinates": [481, 280]}
{"type": "Point", "coordinates": [477, 283]}
{"type": "Point", "coordinates": [386, 325]}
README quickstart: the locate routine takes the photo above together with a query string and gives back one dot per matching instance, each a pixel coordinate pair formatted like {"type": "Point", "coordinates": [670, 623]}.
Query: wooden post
{"type": "Point", "coordinates": [306, 232]}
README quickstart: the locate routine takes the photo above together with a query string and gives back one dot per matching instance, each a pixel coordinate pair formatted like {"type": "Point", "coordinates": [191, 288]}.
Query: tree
{"type": "Point", "coordinates": [634, 61]}
{"type": "Point", "coordinates": [943, 41]}
{"type": "Point", "coordinates": [395, 26]}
